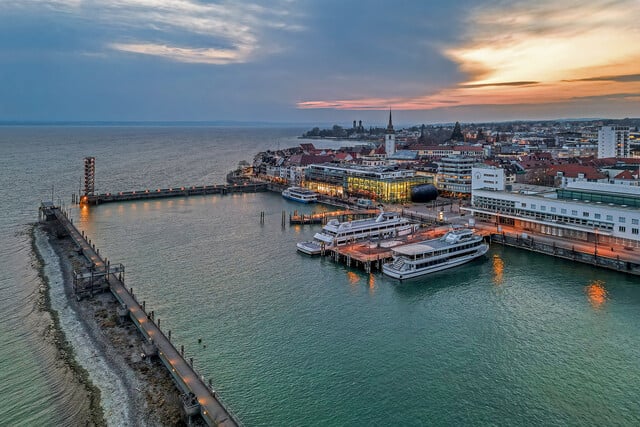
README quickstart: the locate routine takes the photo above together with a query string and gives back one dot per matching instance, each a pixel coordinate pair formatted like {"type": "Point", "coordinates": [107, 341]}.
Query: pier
{"type": "Point", "coordinates": [369, 255]}
{"type": "Point", "coordinates": [162, 193]}
{"type": "Point", "coordinates": [197, 396]}
{"type": "Point", "coordinates": [323, 217]}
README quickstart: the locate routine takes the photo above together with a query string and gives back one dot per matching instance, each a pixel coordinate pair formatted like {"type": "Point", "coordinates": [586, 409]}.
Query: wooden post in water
{"type": "Point", "coordinates": [284, 216]}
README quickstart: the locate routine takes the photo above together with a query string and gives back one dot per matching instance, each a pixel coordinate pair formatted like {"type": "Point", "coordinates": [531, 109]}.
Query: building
{"type": "Point", "coordinates": [390, 138]}
{"type": "Point", "coordinates": [489, 177]}
{"type": "Point", "coordinates": [600, 213]}
{"type": "Point", "coordinates": [454, 174]}
{"type": "Point", "coordinates": [382, 183]}
{"type": "Point", "coordinates": [613, 141]}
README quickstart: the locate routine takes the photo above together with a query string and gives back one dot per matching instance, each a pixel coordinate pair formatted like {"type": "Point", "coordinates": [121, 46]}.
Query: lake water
{"type": "Point", "coordinates": [514, 338]}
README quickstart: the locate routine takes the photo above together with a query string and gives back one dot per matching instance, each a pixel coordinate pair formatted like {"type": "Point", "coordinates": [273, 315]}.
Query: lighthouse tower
{"type": "Point", "coordinates": [390, 138]}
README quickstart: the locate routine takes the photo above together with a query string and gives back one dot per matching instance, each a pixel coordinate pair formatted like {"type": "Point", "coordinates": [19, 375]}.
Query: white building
{"type": "Point", "coordinates": [489, 177]}
{"type": "Point", "coordinates": [613, 141]}
{"type": "Point", "coordinates": [587, 211]}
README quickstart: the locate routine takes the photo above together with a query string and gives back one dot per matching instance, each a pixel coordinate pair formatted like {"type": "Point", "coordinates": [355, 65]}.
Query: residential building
{"type": "Point", "coordinates": [613, 141]}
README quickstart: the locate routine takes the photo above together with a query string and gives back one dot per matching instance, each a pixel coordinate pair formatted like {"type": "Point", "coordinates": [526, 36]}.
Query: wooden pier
{"type": "Point", "coordinates": [369, 255]}
{"type": "Point", "coordinates": [161, 193]}
{"type": "Point", "coordinates": [197, 396]}
{"type": "Point", "coordinates": [323, 217]}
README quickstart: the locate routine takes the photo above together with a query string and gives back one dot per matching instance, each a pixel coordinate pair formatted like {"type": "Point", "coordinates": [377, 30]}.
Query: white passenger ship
{"type": "Point", "coordinates": [456, 247]}
{"type": "Point", "coordinates": [299, 194]}
{"type": "Point", "coordinates": [335, 233]}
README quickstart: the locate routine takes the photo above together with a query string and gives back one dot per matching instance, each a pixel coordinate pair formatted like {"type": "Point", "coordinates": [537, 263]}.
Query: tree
{"type": "Point", "coordinates": [457, 135]}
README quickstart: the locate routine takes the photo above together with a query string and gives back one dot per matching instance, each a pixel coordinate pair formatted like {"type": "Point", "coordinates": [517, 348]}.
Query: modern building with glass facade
{"type": "Point", "coordinates": [382, 183]}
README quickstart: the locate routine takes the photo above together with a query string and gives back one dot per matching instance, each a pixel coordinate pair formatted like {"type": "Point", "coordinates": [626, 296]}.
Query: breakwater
{"type": "Point", "coordinates": [198, 398]}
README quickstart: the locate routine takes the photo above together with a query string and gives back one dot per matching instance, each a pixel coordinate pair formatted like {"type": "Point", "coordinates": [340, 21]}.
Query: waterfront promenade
{"type": "Point", "coordinates": [201, 399]}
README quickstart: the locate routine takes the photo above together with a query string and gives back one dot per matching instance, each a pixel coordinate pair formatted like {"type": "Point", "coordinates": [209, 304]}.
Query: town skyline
{"type": "Point", "coordinates": [305, 62]}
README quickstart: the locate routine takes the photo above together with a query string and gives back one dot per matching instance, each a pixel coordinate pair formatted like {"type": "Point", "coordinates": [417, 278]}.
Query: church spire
{"type": "Point", "coordinates": [390, 125]}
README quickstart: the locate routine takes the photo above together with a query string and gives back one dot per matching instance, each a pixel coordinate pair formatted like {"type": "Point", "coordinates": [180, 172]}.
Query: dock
{"type": "Point", "coordinates": [197, 396]}
{"type": "Point", "coordinates": [369, 255]}
{"type": "Point", "coordinates": [323, 217]}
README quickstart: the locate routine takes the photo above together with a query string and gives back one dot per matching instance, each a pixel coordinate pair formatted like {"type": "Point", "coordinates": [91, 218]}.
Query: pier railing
{"type": "Point", "coordinates": [187, 379]}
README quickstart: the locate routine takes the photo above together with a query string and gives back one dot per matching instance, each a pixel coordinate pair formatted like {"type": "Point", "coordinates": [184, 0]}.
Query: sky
{"type": "Point", "coordinates": [318, 61]}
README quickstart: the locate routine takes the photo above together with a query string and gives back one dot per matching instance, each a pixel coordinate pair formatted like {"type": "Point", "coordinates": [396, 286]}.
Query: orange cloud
{"type": "Point", "coordinates": [550, 52]}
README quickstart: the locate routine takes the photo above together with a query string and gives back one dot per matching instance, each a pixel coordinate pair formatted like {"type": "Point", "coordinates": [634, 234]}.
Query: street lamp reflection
{"type": "Point", "coordinates": [596, 293]}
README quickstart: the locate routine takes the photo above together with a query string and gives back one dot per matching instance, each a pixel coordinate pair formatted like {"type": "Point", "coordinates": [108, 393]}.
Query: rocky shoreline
{"type": "Point", "coordinates": [152, 398]}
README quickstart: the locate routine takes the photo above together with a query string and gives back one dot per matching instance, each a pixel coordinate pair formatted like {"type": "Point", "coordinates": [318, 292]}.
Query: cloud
{"type": "Point", "coordinates": [182, 30]}
{"type": "Point", "coordinates": [192, 55]}
{"type": "Point", "coordinates": [522, 53]}
{"type": "Point", "coordinates": [500, 84]}
{"type": "Point", "coordinates": [620, 78]}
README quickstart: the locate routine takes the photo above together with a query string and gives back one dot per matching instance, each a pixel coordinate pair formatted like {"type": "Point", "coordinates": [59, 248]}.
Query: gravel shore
{"type": "Point", "coordinates": [153, 399]}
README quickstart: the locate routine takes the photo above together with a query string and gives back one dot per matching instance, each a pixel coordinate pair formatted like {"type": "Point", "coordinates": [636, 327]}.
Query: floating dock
{"type": "Point", "coordinates": [197, 396]}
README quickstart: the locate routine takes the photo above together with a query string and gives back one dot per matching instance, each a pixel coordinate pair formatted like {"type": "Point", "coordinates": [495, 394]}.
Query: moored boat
{"type": "Point", "coordinates": [456, 247]}
{"type": "Point", "coordinates": [300, 194]}
{"type": "Point", "coordinates": [335, 233]}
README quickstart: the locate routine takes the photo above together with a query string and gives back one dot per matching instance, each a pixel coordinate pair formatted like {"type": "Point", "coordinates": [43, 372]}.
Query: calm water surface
{"type": "Point", "coordinates": [515, 338]}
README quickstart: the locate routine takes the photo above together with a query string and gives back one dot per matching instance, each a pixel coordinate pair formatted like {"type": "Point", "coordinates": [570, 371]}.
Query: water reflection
{"type": "Point", "coordinates": [596, 293]}
{"type": "Point", "coordinates": [372, 284]}
{"type": "Point", "coordinates": [352, 277]}
{"type": "Point", "coordinates": [498, 269]}
{"type": "Point", "coordinates": [84, 213]}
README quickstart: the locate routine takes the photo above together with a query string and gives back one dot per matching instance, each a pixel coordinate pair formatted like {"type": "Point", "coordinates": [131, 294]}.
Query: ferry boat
{"type": "Point", "coordinates": [335, 233]}
{"type": "Point", "coordinates": [456, 247]}
{"type": "Point", "coordinates": [299, 194]}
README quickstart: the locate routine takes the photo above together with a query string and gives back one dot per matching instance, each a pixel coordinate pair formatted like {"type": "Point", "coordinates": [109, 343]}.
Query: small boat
{"type": "Point", "coordinates": [456, 247]}
{"type": "Point", "coordinates": [299, 194]}
{"type": "Point", "coordinates": [335, 233]}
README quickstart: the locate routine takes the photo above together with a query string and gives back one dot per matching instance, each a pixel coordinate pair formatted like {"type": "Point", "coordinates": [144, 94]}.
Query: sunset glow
{"type": "Point", "coordinates": [533, 55]}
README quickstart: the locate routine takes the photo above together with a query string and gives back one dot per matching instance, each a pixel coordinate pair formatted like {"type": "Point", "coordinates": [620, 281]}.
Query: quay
{"type": "Point", "coordinates": [609, 257]}
{"type": "Point", "coordinates": [197, 396]}
{"type": "Point", "coordinates": [161, 193]}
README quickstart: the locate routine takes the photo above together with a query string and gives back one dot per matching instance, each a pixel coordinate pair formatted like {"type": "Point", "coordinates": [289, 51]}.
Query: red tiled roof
{"type": "Point", "coordinates": [572, 170]}
{"type": "Point", "coordinates": [625, 175]}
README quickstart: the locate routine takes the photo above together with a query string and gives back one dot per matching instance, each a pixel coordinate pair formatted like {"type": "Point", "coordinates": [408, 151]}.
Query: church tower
{"type": "Point", "coordinates": [390, 138]}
